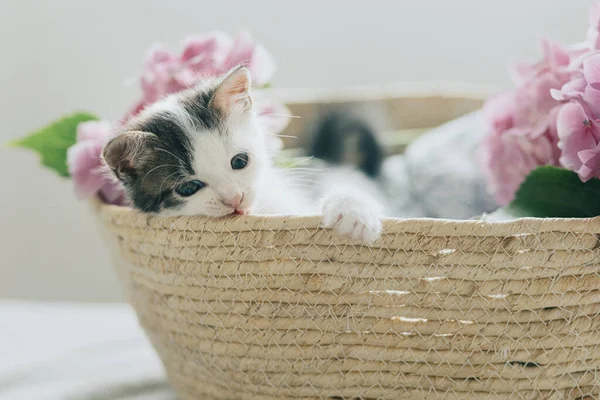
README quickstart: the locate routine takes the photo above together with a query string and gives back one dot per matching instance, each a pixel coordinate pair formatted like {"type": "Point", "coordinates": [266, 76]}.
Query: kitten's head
{"type": "Point", "coordinates": [197, 152]}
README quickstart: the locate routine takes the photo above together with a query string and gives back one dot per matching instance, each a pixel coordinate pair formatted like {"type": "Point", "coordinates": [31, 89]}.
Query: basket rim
{"type": "Point", "coordinates": [393, 90]}
{"type": "Point", "coordinates": [124, 215]}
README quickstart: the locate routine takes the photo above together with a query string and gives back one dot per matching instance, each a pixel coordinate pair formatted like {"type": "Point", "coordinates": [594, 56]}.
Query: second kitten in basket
{"type": "Point", "coordinates": [203, 152]}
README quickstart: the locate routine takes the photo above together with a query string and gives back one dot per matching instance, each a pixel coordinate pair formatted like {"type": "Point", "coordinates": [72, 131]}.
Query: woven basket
{"type": "Point", "coordinates": [276, 308]}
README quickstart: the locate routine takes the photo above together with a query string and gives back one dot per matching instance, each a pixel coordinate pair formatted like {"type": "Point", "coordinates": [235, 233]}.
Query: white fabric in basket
{"type": "Point", "coordinates": [439, 175]}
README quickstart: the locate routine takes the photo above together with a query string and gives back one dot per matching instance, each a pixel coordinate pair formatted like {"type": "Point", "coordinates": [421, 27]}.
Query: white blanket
{"type": "Point", "coordinates": [63, 351]}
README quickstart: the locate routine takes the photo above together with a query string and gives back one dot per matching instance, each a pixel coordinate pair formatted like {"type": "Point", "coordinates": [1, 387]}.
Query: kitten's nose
{"type": "Point", "coordinates": [233, 201]}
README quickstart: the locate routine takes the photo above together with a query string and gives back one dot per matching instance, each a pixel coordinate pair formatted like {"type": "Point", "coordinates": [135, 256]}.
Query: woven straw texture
{"type": "Point", "coordinates": [276, 308]}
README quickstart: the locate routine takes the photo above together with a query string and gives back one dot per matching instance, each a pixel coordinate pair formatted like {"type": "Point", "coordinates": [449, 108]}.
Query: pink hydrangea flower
{"type": "Point", "coordinates": [205, 56]}
{"type": "Point", "coordinates": [510, 152]}
{"type": "Point", "coordinates": [87, 169]}
{"type": "Point", "coordinates": [554, 58]}
{"type": "Point", "coordinates": [579, 137]}
{"type": "Point", "coordinates": [552, 118]}
{"type": "Point", "coordinates": [522, 123]}
{"type": "Point", "coordinates": [207, 53]}
{"type": "Point", "coordinates": [578, 124]}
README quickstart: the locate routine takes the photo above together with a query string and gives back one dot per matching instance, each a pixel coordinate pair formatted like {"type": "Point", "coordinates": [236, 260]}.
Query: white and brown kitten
{"type": "Point", "coordinates": [203, 152]}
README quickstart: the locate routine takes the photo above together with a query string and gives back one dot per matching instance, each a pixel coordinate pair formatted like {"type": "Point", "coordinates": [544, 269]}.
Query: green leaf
{"type": "Point", "coordinates": [556, 192]}
{"type": "Point", "coordinates": [52, 141]}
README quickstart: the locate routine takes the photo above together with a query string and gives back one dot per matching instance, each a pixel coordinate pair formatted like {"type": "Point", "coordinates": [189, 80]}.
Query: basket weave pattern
{"type": "Point", "coordinates": [274, 307]}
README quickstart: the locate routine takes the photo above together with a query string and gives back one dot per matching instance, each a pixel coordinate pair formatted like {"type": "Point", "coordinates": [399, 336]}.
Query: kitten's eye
{"type": "Point", "coordinates": [189, 188]}
{"type": "Point", "coordinates": [239, 161]}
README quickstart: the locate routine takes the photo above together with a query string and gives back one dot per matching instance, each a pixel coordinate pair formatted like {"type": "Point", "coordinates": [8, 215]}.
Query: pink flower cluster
{"type": "Point", "coordinates": [203, 56]}
{"type": "Point", "coordinates": [552, 118]}
{"type": "Point", "coordinates": [166, 73]}
{"type": "Point", "coordinates": [87, 168]}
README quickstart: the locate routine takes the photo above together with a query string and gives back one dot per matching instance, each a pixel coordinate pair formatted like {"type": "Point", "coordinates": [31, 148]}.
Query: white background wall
{"type": "Point", "coordinates": [63, 55]}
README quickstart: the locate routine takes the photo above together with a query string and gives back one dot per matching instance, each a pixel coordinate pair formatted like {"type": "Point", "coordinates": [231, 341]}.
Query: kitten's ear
{"type": "Point", "coordinates": [126, 153]}
{"type": "Point", "coordinates": [233, 91]}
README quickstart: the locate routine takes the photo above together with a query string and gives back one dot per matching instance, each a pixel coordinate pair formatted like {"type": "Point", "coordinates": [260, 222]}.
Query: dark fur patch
{"type": "Point", "coordinates": [342, 139]}
{"type": "Point", "coordinates": [167, 161]}
{"type": "Point", "coordinates": [203, 115]}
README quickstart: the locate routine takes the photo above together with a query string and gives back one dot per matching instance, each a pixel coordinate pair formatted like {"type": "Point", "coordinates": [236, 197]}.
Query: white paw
{"type": "Point", "coordinates": [353, 217]}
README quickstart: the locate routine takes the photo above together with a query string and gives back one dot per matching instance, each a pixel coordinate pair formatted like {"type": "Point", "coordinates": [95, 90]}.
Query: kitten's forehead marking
{"type": "Point", "coordinates": [196, 104]}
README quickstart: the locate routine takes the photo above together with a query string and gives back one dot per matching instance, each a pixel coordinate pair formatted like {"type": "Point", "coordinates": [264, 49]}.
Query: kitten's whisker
{"type": "Point", "coordinates": [155, 168]}
{"type": "Point", "coordinates": [302, 169]}
{"type": "Point", "coordinates": [303, 187]}
{"type": "Point", "coordinates": [164, 180]}
{"type": "Point", "coordinates": [299, 162]}
{"type": "Point", "coordinates": [300, 179]}
{"type": "Point", "coordinates": [306, 180]}
{"type": "Point", "coordinates": [287, 136]}
{"type": "Point", "coordinates": [299, 174]}
{"type": "Point", "coordinates": [168, 152]}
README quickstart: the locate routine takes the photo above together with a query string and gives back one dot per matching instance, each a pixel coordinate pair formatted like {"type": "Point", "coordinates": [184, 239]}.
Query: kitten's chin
{"type": "Point", "coordinates": [188, 210]}
{"type": "Point", "coordinates": [227, 213]}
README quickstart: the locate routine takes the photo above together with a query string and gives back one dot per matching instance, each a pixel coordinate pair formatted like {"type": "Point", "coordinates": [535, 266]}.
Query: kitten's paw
{"type": "Point", "coordinates": [353, 217]}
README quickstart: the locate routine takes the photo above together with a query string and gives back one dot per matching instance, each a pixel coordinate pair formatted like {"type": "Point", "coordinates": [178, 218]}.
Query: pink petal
{"type": "Point", "coordinates": [576, 85]}
{"type": "Point", "coordinates": [158, 54]}
{"type": "Point", "coordinates": [554, 54]}
{"type": "Point", "coordinates": [507, 161]}
{"type": "Point", "coordinates": [241, 50]}
{"type": "Point", "coordinates": [555, 57]}
{"type": "Point", "coordinates": [158, 75]}
{"type": "Point", "coordinates": [552, 134]}
{"type": "Point", "coordinates": [577, 52]}
{"type": "Point", "coordinates": [521, 72]}
{"type": "Point", "coordinates": [205, 53]}
{"type": "Point", "coordinates": [590, 164]}
{"type": "Point", "coordinates": [570, 119]}
{"type": "Point", "coordinates": [558, 95]}
{"type": "Point", "coordinates": [542, 150]}
{"type": "Point", "coordinates": [592, 97]}
{"type": "Point", "coordinates": [588, 155]}
{"type": "Point", "coordinates": [85, 166]}
{"type": "Point", "coordinates": [591, 68]}
{"type": "Point", "coordinates": [498, 111]}
{"type": "Point", "coordinates": [574, 135]}
{"type": "Point", "coordinates": [185, 78]}
{"type": "Point", "coordinates": [593, 38]}
{"type": "Point", "coordinates": [112, 192]}
{"type": "Point", "coordinates": [541, 91]}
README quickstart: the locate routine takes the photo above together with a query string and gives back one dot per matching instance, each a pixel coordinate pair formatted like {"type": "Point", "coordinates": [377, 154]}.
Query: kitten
{"type": "Point", "coordinates": [203, 152]}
